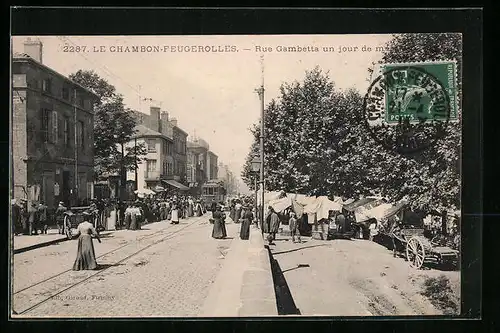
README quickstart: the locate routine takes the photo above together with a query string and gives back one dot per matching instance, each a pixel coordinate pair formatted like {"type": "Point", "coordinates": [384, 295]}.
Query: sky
{"type": "Point", "coordinates": [211, 93]}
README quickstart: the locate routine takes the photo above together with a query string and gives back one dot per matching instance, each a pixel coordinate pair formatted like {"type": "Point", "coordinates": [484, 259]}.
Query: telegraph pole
{"type": "Point", "coordinates": [135, 163]}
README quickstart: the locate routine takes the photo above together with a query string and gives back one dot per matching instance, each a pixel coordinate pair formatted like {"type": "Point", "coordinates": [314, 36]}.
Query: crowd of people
{"type": "Point", "coordinates": [171, 210]}
{"type": "Point", "coordinates": [147, 210]}
{"type": "Point", "coordinates": [29, 218]}
{"type": "Point", "coordinates": [34, 218]}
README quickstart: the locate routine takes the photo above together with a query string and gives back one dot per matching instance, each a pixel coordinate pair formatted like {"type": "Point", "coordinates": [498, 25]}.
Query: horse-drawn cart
{"type": "Point", "coordinates": [74, 216]}
{"type": "Point", "coordinates": [407, 233]}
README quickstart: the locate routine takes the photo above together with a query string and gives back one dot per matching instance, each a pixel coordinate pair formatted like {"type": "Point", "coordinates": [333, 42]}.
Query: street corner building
{"type": "Point", "coordinates": [166, 161]}
{"type": "Point", "coordinates": [52, 137]}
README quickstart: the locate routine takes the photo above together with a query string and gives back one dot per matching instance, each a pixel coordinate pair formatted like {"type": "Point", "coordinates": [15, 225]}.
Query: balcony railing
{"type": "Point", "coordinates": [152, 175]}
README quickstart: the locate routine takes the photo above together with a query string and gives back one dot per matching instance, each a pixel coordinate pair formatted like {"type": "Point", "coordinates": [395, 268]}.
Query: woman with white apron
{"type": "Point", "coordinates": [174, 219]}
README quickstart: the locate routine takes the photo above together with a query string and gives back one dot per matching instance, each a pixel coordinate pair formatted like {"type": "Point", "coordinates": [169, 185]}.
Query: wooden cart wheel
{"type": "Point", "coordinates": [415, 252]}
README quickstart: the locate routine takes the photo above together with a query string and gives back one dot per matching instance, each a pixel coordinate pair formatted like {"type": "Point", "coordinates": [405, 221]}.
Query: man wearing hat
{"type": "Point", "coordinates": [61, 209]}
{"type": "Point", "coordinates": [24, 216]}
{"type": "Point", "coordinates": [42, 217]}
{"type": "Point", "coordinates": [16, 217]}
{"type": "Point", "coordinates": [32, 219]}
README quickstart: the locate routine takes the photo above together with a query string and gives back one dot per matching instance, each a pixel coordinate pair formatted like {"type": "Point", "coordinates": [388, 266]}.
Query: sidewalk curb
{"type": "Point", "coordinates": [258, 296]}
{"type": "Point", "coordinates": [250, 291]}
{"type": "Point", "coordinates": [39, 245]}
{"type": "Point", "coordinates": [51, 242]}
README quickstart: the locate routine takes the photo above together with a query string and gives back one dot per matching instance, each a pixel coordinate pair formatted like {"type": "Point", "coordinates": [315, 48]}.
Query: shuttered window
{"type": "Point", "coordinates": [66, 131]}
{"type": "Point", "coordinates": [80, 134]}
{"type": "Point", "coordinates": [55, 127]}
{"type": "Point", "coordinates": [45, 123]}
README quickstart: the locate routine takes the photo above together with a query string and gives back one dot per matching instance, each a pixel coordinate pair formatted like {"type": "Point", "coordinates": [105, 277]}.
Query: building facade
{"type": "Point", "coordinates": [166, 162]}
{"type": "Point", "coordinates": [52, 133]}
{"type": "Point", "coordinates": [180, 153]}
{"type": "Point", "coordinates": [158, 164]}
{"type": "Point", "coordinates": [212, 166]}
{"type": "Point", "coordinates": [228, 178]}
{"type": "Point", "coordinates": [197, 162]}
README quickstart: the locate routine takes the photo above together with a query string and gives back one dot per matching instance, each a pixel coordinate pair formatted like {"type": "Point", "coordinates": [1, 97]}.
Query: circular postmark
{"type": "Point", "coordinates": [407, 108]}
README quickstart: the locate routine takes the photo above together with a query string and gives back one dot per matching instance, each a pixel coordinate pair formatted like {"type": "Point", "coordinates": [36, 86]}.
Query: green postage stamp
{"type": "Point", "coordinates": [420, 92]}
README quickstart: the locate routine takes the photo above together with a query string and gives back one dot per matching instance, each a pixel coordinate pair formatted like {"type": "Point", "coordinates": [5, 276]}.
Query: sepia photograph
{"type": "Point", "coordinates": [205, 176]}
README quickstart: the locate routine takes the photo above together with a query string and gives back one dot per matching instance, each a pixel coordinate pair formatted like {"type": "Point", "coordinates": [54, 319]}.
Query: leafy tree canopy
{"type": "Point", "coordinates": [316, 142]}
{"type": "Point", "coordinates": [113, 126]}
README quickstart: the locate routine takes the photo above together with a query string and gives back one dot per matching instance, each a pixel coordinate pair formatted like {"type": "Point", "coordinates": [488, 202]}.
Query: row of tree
{"type": "Point", "coordinates": [316, 142]}
{"type": "Point", "coordinates": [114, 125]}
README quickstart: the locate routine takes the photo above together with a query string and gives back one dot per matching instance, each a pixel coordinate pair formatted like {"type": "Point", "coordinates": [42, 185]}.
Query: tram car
{"type": "Point", "coordinates": [213, 190]}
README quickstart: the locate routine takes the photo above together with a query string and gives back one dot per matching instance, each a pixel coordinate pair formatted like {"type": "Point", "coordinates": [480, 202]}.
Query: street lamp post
{"type": "Point", "coordinates": [261, 95]}
{"type": "Point", "coordinates": [261, 91]}
{"type": "Point", "coordinates": [136, 185]}
{"type": "Point", "coordinates": [256, 164]}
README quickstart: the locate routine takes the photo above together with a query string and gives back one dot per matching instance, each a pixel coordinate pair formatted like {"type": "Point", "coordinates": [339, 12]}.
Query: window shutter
{"type": "Point", "coordinates": [48, 126]}
{"type": "Point", "coordinates": [55, 123]}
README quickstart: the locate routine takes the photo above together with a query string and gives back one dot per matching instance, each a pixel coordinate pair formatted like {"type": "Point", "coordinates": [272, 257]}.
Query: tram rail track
{"type": "Point", "coordinates": [57, 289]}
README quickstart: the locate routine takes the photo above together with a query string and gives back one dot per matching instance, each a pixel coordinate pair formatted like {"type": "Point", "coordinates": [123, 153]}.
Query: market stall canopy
{"type": "Point", "coordinates": [395, 209]}
{"type": "Point", "coordinates": [322, 206]}
{"type": "Point", "coordinates": [269, 196]}
{"type": "Point", "coordinates": [378, 212]}
{"type": "Point", "coordinates": [144, 191]}
{"type": "Point", "coordinates": [297, 208]}
{"type": "Point", "coordinates": [353, 205]}
{"type": "Point", "coordinates": [338, 199]}
{"type": "Point", "coordinates": [348, 201]}
{"type": "Point", "coordinates": [176, 184]}
{"type": "Point", "coordinates": [305, 200]}
{"type": "Point", "coordinates": [280, 205]}
{"type": "Point", "coordinates": [360, 212]}
{"type": "Point", "coordinates": [296, 196]}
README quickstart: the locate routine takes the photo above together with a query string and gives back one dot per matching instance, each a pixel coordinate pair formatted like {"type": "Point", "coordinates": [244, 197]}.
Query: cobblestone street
{"type": "Point", "coordinates": [161, 270]}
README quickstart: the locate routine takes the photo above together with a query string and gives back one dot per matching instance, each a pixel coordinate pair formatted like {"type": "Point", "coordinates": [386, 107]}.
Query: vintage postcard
{"type": "Point", "coordinates": [235, 175]}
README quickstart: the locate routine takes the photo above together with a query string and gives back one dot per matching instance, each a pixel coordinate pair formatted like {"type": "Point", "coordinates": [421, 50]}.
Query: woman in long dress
{"type": "Point", "coordinates": [245, 223]}
{"type": "Point", "coordinates": [238, 212]}
{"type": "Point", "coordinates": [174, 219]}
{"type": "Point", "coordinates": [190, 207]}
{"type": "Point", "coordinates": [232, 212]}
{"type": "Point", "coordinates": [219, 229]}
{"type": "Point", "coordinates": [199, 210]}
{"type": "Point", "coordinates": [85, 256]}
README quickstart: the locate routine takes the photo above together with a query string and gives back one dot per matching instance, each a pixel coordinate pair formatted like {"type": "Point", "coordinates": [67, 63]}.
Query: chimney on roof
{"type": "Point", "coordinates": [173, 121]}
{"type": "Point", "coordinates": [155, 118]}
{"type": "Point", "coordinates": [164, 115]}
{"type": "Point", "coordinates": [33, 48]}
{"type": "Point", "coordinates": [164, 123]}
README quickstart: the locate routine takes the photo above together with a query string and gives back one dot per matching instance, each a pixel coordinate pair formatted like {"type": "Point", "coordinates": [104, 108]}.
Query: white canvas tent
{"type": "Point", "coordinates": [268, 196]}
{"type": "Point", "coordinates": [322, 206]}
{"type": "Point", "coordinates": [378, 212]}
{"type": "Point", "coordinates": [361, 213]}
{"type": "Point", "coordinates": [280, 205]}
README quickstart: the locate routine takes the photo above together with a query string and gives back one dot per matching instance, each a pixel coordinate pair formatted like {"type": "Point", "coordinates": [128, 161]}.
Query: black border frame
{"type": "Point", "coordinates": [128, 21]}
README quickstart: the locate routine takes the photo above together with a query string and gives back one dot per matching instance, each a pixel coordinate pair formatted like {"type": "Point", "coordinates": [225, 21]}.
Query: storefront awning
{"type": "Point", "coordinates": [176, 184]}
